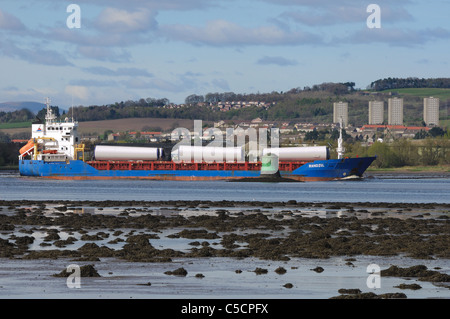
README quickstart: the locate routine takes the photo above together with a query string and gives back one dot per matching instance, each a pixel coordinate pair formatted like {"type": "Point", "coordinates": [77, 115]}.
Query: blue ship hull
{"type": "Point", "coordinates": [333, 169]}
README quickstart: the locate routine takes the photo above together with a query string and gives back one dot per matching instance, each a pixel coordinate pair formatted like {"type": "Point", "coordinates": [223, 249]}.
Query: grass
{"type": "Point", "coordinates": [443, 94]}
{"type": "Point", "coordinates": [15, 125]}
{"type": "Point", "coordinates": [445, 123]}
{"type": "Point", "coordinates": [424, 169]}
{"type": "Point", "coordinates": [119, 125]}
{"type": "Point", "coordinates": [134, 124]}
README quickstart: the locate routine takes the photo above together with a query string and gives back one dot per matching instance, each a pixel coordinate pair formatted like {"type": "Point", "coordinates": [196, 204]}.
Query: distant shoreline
{"type": "Point", "coordinates": [411, 170]}
{"type": "Point", "coordinates": [9, 168]}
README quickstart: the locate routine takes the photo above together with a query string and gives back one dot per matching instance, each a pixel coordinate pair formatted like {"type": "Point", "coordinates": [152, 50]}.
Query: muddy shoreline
{"type": "Point", "coordinates": [274, 231]}
{"type": "Point", "coordinates": [164, 231]}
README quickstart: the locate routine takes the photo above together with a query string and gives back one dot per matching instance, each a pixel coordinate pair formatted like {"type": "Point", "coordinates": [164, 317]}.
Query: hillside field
{"type": "Point", "coordinates": [442, 94]}
{"type": "Point", "coordinates": [303, 106]}
{"type": "Point", "coordinates": [120, 125]}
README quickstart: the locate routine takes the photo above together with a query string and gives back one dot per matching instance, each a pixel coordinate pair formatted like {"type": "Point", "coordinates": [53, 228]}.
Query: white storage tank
{"type": "Point", "coordinates": [307, 153]}
{"type": "Point", "coordinates": [127, 153]}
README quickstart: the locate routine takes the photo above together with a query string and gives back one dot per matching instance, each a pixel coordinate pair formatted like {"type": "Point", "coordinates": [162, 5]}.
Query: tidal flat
{"type": "Point", "coordinates": [225, 249]}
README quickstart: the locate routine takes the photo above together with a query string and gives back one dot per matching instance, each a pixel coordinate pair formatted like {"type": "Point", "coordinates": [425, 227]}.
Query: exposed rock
{"type": "Point", "coordinates": [177, 272]}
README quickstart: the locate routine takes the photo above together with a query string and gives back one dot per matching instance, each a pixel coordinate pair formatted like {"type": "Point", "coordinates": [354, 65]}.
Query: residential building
{"type": "Point", "coordinates": [376, 112]}
{"type": "Point", "coordinates": [395, 111]}
{"type": "Point", "coordinates": [340, 111]}
{"type": "Point", "coordinates": [392, 130]}
{"type": "Point", "coordinates": [431, 111]}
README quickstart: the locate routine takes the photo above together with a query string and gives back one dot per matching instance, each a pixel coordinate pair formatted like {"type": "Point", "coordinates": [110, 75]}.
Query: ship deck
{"type": "Point", "coordinates": [188, 166]}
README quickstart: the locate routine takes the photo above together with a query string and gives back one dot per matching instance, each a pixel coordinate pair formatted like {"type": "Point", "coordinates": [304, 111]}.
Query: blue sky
{"type": "Point", "coordinates": [170, 49]}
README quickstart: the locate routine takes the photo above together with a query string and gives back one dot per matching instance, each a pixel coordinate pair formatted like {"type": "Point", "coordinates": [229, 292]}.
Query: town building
{"type": "Point", "coordinates": [340, 112]}
{"type": "Point", "coordinates": [376, 112]}
{"type": "Point", "coordinates": [431, 111]}
{"type": "Point", "coordinates": [395, 111]}
{"type": "Point", "coordinates": [396, 131]}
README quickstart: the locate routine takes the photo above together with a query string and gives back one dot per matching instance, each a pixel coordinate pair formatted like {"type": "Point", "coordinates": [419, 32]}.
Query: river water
{"type": "Point", "coordinates": [391, 189]}
{"type": "Point", "coordinates": [124, 280]}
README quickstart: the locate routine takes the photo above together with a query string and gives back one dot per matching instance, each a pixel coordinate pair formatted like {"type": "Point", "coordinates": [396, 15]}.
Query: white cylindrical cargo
{"type": "Point", "coordinates": [127, 153]}
{"type": "Point", "coordinates": [187, 153]}
{"type": "Point", "coordinates": [308, 153]}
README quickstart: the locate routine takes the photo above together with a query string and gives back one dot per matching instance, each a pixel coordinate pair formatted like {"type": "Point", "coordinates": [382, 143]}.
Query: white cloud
{"type": "Point", "coordinates": [33, 54]}
{"type": "Point", "coordinates": [396, 36]}
{"type": "Point", "coordinates": [326, 3]}
{"type": "Point", "coordinates": [104, 53]}
{"type": "Point", "coordinates": [277, 60]}
{"type": "Point", "coordinates": [78, 91]}
{"type": "Point", "coordinates": [26, 94]}
{"type": "Point", "coordinates": [221, 84]}
{"type": "Point", "coordinates": [179, 5]}
{"type": "Point", "coordinates": [226, 33]}
{"type": "Point", "coordinates": [10, 22]}
{"type": "Point", "coordinates": [123, 21]}
{"type": "Point", "coordinates": [338, 14]}
{"type": "Point", "coordinates": [99, 70]}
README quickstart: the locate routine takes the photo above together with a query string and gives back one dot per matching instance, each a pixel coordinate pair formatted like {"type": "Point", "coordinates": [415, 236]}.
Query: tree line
{"type": "Point", "coordinates": [274, 96]}
{"type": "Point", "coordinates": [403, 152]}
{"type": "Point", "coordinates": [313, 104]}
{"type": "Point", "coordinates": [411, 82]}
{"type": "Point", "coordinates": [9, 153]}
{"type": "Point", "coordinates": [156, 107]}
{"type": "Point", "coordinates": [23, 115]}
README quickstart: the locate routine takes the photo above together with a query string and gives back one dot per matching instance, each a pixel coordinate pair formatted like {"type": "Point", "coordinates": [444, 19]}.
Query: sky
{"type": "Point", "coordinates": [108, 51]}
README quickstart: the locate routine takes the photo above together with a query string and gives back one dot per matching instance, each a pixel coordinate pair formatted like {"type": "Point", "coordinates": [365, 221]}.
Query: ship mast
{"type": "Point", "coordinates": [49, 117]}
{"type": "Point", "coordinates": [340, 149]}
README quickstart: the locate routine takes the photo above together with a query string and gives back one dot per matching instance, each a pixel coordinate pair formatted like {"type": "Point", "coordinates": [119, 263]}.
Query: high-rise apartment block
{"type": "Point", "coordinates": [340, 112]}
{"type": "Point", "coordinates": [376, 112]}
{"type": "Point", "coordinates": [395, 111]}
{"type": "Point", "coordinates": [431, 111]}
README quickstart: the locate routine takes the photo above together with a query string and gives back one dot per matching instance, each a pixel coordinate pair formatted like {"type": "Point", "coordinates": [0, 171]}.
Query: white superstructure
{"type": "Point", "coordinates": [53, 140]}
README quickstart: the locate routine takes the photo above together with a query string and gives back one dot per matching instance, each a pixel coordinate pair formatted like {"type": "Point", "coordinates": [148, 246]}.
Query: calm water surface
{"type": "Point", "coordinates": [394, 189]}
{"type": "Point", "coordinates": [33, 278]}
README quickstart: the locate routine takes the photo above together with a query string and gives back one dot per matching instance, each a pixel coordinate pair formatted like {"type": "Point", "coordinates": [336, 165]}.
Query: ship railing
{"type": "Point", "coordinates": [204, 166]}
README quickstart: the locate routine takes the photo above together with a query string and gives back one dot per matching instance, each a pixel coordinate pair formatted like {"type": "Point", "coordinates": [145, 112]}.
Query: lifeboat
{"type": "Point", "coordinates": [25, 149]}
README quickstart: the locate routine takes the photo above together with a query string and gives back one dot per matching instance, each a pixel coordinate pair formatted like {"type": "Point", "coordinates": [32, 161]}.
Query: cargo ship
{"type": "Point", "coordinates": [55, 151]}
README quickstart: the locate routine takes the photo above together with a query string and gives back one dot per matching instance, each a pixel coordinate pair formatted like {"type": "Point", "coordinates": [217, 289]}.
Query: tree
{"type": "Point", "coordinates": [41, 114]}
{"type": "Point", "coordinates": [420, 135]}
{"type": "Point", "coordinates": [106, 134]}
{"type": "Point", "coordinates": [312, 135]}
{"type": "Point", "coordinates": [350, 85]}
{"type": "Point", "coordinates": [194, 99]}
{"type": "Point", "coordinates": [385, 156]}
{"type": "Point", "coordinates": [4, 138]}
{"type": "Point", "coordinates": [430, 152]}
{"type": "Point", "coordinates": [436, 131]}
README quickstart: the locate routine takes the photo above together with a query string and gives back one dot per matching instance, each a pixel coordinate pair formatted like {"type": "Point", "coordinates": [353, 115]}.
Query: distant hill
{"type": "Point", "coordinates": [34, 107]}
